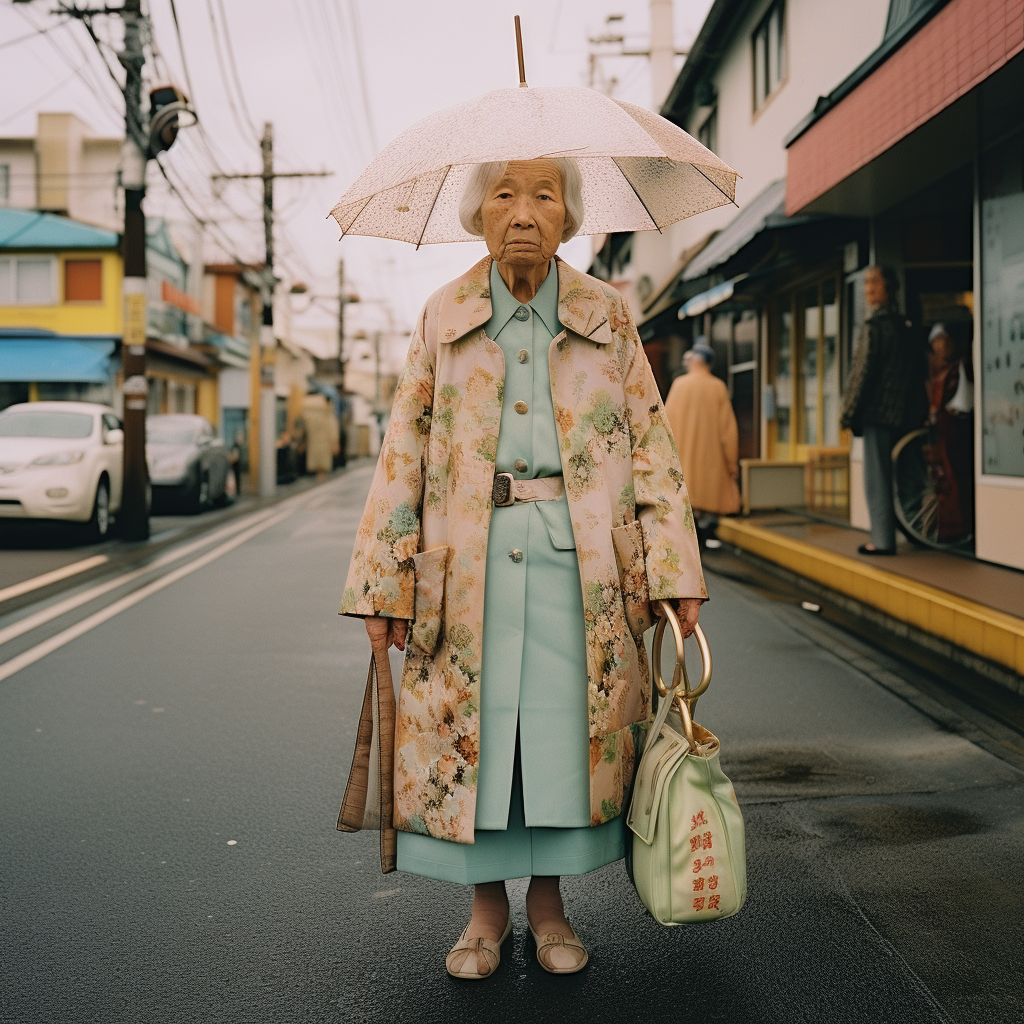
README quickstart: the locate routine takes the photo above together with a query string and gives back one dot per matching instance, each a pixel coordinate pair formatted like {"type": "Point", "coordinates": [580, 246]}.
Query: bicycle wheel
{"type": "Point", "coordinates": [916, 497]}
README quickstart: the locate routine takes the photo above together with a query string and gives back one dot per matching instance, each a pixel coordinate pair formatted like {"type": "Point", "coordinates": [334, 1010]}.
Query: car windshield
{"type": "Point", "coordinates": [45, 423]}
{"type": "Point", "coordinates": [171, 432]}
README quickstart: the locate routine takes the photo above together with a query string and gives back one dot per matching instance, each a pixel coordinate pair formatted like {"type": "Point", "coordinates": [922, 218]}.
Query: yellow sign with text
{"type": "Point", "coordinates": [135, 319]}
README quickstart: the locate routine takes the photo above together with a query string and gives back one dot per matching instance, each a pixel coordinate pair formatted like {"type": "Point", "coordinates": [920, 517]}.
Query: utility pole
{"type": "Point", "coordinates": [134, 513]}
{"type": "Point", "coordinates": [264, 407]}
{"type": "Point", "coordinates": [143, 138]}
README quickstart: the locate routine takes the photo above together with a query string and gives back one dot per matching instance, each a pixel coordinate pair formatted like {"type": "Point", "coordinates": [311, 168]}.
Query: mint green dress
{"type": "Point", "coordinates": [533, 793]}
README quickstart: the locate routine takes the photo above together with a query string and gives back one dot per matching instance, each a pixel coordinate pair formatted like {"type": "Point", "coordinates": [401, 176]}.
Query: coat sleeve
{"type": "Point", "coordinates": [381, 580]}
{"type": "Point", "coordinates": [857, 385]}
{"type": "Point", "coordinates": [670, 538]}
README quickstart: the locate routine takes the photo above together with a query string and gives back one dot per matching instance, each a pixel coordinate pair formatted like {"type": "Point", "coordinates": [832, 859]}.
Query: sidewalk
{"type": "Point", "coordinates": [972, 606]}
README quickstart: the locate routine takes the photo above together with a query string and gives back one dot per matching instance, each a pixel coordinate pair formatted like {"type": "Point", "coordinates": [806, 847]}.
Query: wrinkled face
{"type": "Point", "coordinates": [875, 293]}
{"type": "Point", "coordinates": [523, 213]}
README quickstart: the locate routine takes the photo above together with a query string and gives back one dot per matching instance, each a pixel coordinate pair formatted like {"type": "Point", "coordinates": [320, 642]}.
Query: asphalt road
{"type": "Point", "coordinates": [172, 777]}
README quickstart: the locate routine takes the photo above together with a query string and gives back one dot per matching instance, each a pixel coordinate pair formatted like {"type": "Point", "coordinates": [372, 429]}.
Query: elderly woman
{"type": "Point", "coordinates": [527, 508]}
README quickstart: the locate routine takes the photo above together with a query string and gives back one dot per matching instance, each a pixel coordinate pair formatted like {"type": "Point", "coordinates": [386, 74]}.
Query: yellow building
{"type": "Point", "coordinates": [61, 317]}
{"type": "Point", "coordinates": [60, 308]}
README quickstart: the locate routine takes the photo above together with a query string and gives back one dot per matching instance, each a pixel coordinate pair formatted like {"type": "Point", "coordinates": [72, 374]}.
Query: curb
{"type": "Point", "coordinates": [982, 631]}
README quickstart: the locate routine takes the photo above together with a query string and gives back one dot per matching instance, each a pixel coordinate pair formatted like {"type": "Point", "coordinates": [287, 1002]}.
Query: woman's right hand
{"type": "Point", "coordinates": [384, 632]}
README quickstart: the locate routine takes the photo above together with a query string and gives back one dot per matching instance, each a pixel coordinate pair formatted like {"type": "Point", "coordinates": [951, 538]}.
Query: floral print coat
{"type": "Point", "coordinates": [421, 548]}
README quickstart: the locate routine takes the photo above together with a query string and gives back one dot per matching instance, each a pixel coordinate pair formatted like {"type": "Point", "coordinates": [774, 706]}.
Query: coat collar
{"type": "Point", "coordinates": [466, 304]}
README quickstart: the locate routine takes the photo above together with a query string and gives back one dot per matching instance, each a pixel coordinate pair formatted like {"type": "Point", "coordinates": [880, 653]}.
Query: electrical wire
{"type": "Point", "coordinates": [33, 35]}
{"type": "Point", "coordinates": [234, 67]}
{"type": "Point", "coordinates": [353, 12]}
{"type": "Point", "coordinates": [39, 99]}
{"type": "Point", "coordinates": [221, 65]}
{"type": "Point", "coordinates": [79, 70]}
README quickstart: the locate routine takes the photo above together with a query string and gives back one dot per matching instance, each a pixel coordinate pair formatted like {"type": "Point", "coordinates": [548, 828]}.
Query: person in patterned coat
{"type": "Point", "coordinates": [526, 511]}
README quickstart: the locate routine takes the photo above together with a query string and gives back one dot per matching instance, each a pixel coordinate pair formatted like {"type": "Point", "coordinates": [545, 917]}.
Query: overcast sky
{"type": "Point", "coordinates": [298, 64]}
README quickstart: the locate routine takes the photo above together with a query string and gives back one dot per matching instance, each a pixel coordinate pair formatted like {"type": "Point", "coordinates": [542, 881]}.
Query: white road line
{"type": "Point", "coordinates": [52, 577]}
{"type": "Point", "coordinates": [55, 611]}
{"type": "Point", "coordinates": [34, 654]}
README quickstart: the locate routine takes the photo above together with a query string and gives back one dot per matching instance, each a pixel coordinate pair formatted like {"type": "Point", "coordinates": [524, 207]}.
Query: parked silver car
{"type": "Point", "coordinates": [188, 463]}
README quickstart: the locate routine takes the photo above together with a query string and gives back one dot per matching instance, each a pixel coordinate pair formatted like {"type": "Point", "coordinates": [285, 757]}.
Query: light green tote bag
{"type": "Point", "coordinates": [689, 854]}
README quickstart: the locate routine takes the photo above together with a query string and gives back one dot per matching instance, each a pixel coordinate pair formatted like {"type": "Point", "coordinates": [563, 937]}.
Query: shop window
{"type": "Point", "coordinates": [784, 377]}
{"type": "Point", "coordinates": [5, 182]}
{"type": "Point", "coordinates": [809, 369]}
{"type": "Point", "coordinates": [707, 133]}
{"type": "Point", "coordinates": [83, 281]}
{"type": "Point", "coordinates": [1002, 296]}
{"type": "Point", "coordinates": [27, 281]}
{"type": "Point", "coordinates": [819, 365]}
{"type": "Point", "coordinates": [769, 46]}
{"type": "Point", "coordinates": [830, 364]}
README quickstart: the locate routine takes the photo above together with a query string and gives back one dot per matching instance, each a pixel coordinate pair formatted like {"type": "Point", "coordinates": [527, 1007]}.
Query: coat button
{"type": "Point", "coordinates": [522, 408]}
{"type": "Point", "coordinates": [521, 466]}
{"type": "Point", "coordinates": [522, 313]}
{"type": "Point", "coordinates": [523, 355]}
{"type": "Point", "coordinates": [516, 555]}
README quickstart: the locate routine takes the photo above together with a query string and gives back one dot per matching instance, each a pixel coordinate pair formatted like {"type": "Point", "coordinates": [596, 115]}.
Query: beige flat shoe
{"type": "Point", "coordinates": [478, 958]}
{"type": "Point", "coordinates": [559, 955]}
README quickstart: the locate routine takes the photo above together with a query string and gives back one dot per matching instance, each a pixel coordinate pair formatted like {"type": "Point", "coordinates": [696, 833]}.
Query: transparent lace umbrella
{"type": "Point", "coordinates": [640, 172]}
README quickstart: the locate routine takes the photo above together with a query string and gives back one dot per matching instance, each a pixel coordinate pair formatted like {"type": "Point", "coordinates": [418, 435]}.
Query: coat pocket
{"type": "Point", "coordinates": [629, 557]}
{"type": "Point", "coordinates": [430, 568]}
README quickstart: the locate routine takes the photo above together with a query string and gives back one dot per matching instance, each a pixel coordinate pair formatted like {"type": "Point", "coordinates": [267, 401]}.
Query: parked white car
{"type": "Point", "coordinates": [61, 460]}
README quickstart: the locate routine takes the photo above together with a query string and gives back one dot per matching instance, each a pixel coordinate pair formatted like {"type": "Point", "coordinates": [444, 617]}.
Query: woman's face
{"type": "Point", "coordinates": [523, 213]}
{"type": "Point", "coordinates": [875, 293]}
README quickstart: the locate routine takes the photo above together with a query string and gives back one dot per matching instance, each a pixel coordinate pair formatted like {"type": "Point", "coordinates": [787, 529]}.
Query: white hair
{"type": "Point", "coordinates": [483, 176]}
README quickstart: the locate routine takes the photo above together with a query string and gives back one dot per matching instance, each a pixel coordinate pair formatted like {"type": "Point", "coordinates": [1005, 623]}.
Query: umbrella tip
{"type": "Point", "coordinates": [519, 51]}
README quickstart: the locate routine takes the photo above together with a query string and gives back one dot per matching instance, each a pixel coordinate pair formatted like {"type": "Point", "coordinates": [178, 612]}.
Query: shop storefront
{"type": "Point", "coordinates": [927, 146]}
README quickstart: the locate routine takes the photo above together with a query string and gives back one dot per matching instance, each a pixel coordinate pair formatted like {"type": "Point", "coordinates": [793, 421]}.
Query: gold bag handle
{"type": "Point", "coordinates": [686, 698]}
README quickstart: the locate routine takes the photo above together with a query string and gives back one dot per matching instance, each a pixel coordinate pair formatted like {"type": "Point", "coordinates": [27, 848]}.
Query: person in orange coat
{"type": "Point", "coordinates": [704, 425]}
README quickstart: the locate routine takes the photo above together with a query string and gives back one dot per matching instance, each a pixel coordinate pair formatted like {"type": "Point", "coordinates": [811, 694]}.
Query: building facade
{"type": "Point", "coordinates": [878, 132]}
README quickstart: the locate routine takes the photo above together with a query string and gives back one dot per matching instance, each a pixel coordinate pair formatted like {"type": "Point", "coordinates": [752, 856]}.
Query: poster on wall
{"type": "Point", "coordinates": [1002, 338]}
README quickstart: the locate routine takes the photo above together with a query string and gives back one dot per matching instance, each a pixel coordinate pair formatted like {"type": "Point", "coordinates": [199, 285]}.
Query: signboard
{"type": "Point", "coordinates": [1002, 294]}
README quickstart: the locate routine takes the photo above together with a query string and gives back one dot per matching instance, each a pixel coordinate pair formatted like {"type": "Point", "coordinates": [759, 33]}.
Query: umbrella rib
{"type": "Point", "coordinates": [354, 219]}
{"type": "Point", "coordinates": [447, 171]}
{"type": "Point", "coordinates": [715, 183]}
{"type": "Point", "coordinates": [639, 197]}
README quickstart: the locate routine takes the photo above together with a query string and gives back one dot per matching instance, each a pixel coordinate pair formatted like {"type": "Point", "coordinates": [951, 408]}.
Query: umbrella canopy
{"type": "Point", "coordinates": [640, 172]}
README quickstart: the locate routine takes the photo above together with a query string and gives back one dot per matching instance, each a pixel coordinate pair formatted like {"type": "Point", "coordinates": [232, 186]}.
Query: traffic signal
{"type": "Point", "coordinates": [166, 104]}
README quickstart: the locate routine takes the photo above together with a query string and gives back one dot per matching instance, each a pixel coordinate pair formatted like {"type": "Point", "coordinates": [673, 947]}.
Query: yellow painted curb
{"type": "Point", "coordinates": [984, 631]}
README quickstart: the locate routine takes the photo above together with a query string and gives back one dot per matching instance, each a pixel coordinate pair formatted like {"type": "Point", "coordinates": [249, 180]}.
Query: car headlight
{"type": "Point", "coordinates": [59, 459]}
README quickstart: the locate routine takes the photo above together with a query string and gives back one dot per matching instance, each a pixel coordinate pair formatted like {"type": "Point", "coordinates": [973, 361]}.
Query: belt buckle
{"type": "Point", "coordinates": [502, 493]}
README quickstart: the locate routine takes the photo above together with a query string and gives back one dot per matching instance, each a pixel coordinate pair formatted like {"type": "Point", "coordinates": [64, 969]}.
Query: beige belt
{"type": "Point", "coordinates": [507, 489]}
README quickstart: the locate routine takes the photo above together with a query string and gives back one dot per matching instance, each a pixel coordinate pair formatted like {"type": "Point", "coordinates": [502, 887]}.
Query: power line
{"type": "Point", "coordinates": [79, 70]}
{"type": "Point", "coordinates": [234, 67]}
{"type": "Point", "coordinates": [33, 35]}
{"type": "Point", "coordinates": [353, 12]}
{"type": "Point", "coordinates": [181, 50]}
{"type": "Point", "coordinates": [245, 133]}
{"type": "Point", "coordinates": [39, 99]}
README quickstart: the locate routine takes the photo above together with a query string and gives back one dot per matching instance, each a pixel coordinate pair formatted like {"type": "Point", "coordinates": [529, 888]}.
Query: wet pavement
{"type": "Point", "coordinates": [173, 774]}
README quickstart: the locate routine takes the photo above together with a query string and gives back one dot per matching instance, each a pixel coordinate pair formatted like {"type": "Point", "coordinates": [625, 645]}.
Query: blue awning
{"type": "Point", "coordinates": [57, 359]}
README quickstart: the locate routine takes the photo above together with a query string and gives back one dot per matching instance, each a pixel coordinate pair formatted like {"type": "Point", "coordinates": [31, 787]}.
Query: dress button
{"type": "Point", "coordinates": [522, 408]}
{"type": "Point", "coordinates": [523, 355]}
{"type": "Point", "coordinates": [521, 466]}
{"type": "Point", "coordinates": [516, 555]}
{"type": "Point", "coordinates": [522, 313]}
